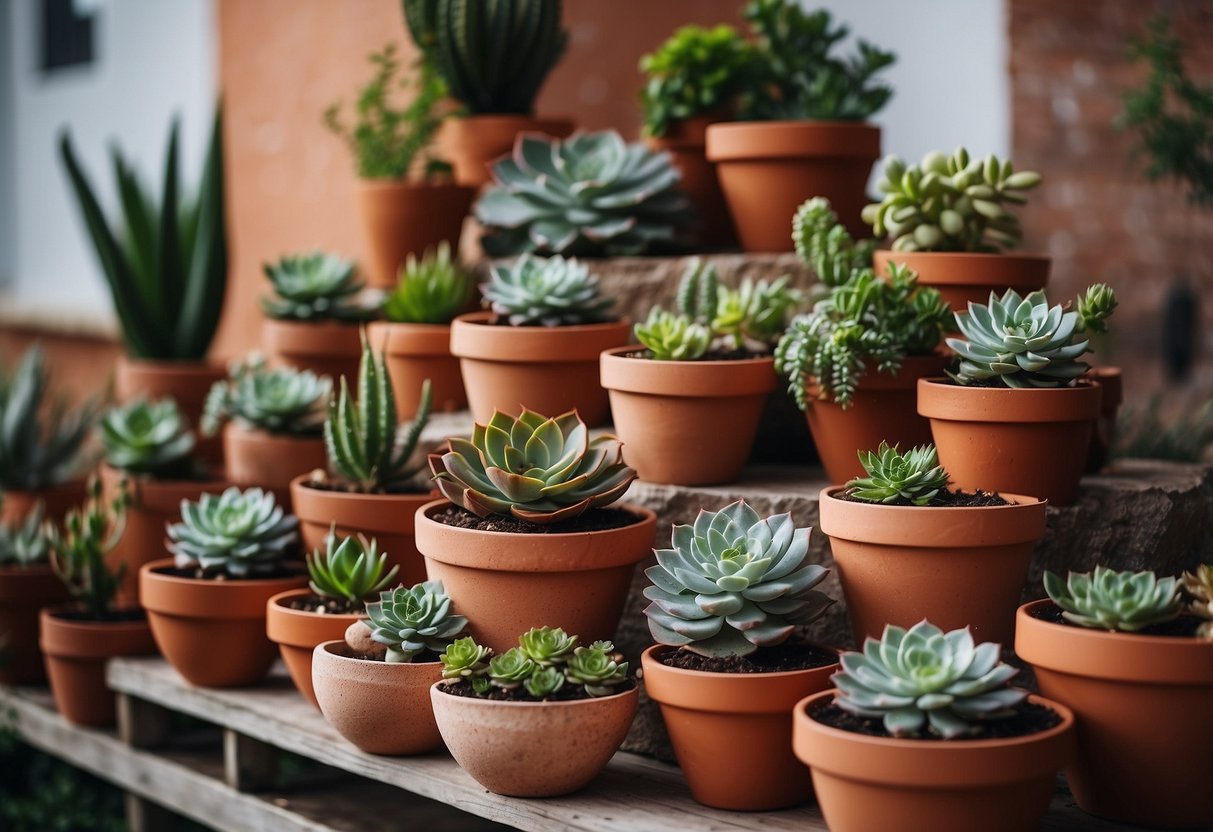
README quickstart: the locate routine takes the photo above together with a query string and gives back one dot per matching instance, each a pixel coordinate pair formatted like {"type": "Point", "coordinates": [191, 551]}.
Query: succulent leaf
{"type": "Point", "coordinates": [80, 544]}
{"type": "Point", "coordinates": [432, 290]}
{"type": "Point", "coordinates": [240, 534]}
{"type": "Point", "coordinates": [351, 569]}
{"type": "Point", "coordinates": [912, 478]}
{"type": "Point", "coordinates": [282, 400]}
{"type": "Point", "coordinates": [410, 620]}
{"type": "Point", "coordinates": [551, 291]}
{"type": "Point", "coordinates": [314, 287]}
{"type": "Point", "coordinates": [1110, 600]}
{"type": "Point", "coordinates": [145, 437]}
{"type": "Point", "coordinates": [24, 543]}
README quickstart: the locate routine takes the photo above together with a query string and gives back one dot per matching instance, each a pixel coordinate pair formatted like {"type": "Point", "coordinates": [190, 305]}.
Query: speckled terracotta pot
{"type": "Point", "coordinates": [297, 632]}
{"type": "Point", "coordinates": [55, 500]}
{"type": "Point", "coordinates": [327, 348]}
{"type": "Point", "coordinates": [270, 460]}
{"type": "Point", "coordinates": [415, 352]}
{"type": "Point", "coordinates": [24, 591]}
{"type": "Point", "coordinates": [187, 382]}
{"type": "Point", "coordinates": [964, 277]}
{"type": "Point", "coordinates": [525, 749]}
{"type": "Point", "coordinates": [381, 708]}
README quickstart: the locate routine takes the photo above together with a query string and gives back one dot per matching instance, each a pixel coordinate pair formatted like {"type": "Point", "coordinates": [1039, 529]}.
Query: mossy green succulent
{"type": "Point", "coordinates": [670, 337]}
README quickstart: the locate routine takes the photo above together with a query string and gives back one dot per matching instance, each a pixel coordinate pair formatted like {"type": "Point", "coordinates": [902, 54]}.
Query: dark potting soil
{"type": "Point", "coordinates": [424, 657]}
{"type": "Point", "coordinates": [778, 659]}
{"type": "Point", "coordinates": [1029, 718]}
{"type": "Point", "coordinates": [710, 355]}
{"type": "Point", "coordinates": [594, 520]}
{"type": "Point", "coordinates": [107, 617]}
{"type": "Point", "coordinates": [1185, 626]}
{"type": "Point", "coordinates": [199, 574]}
{"type": "Point", "coordinates": [568, 693]}
{"type": "Point", "coordinates": [946, 499]}
{"type": "Point", "coordinates": [326, 606]}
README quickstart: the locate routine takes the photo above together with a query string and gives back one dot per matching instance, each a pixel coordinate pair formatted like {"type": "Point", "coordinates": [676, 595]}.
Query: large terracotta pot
{"type": "Point", "coordinates": [549, 370]}
{"type": "Point", "coordinates": [24, 591]}
{"type": "Point", "coordinates": [56, 501]}
{"type": "Point", "coordinates": [473, 143]}
{"type": "Point", "coordinates": [957, 567]}
{"type": "Point", "coordinates": [884, 408]}
{"type": "Point", "coordinates": [270, 460]}
{"type": "Point", "coordinates": [212, 632]}
{"type": "Point", "coordinates": [533, 749]}
{"type": "Point", "coordinates": [76, 652]}
{"type": "Point", "coordinates": [964, 277]}
{"type": "Point", "coordinates": [415, 352]}
{"type": "Point", "coordinates": [732, 732]}
{"type": "Point", "coordinates": [686, 422]}
{"type": "Point", "coordinates": [685, 141]}
{"type": "Point", "coordinates": [768, 168]}
{"type": "Point", "coordinates": [388, 518]}
{"type": "Point", "coordinates": [297, 632]}
{"type": "Point", "coordinates": [381, 708]}
{"type": "Point", "coordinates": [1144, 710]}
{"type": "Point", "coordinates": [327, 348]}
{"type": "Point", "coordinates": [1112, 394]}
{"type": "Point", "coordinates": [866, 783]}
{"type": "Point", "coordinates": [403, 218]}
{"type": "Point", "coordinates": [509, 583]}
{"type": "Point", "coordinates": [1025, 441]}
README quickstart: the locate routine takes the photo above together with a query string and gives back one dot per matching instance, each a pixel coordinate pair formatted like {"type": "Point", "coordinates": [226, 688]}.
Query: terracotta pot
{"type": "Point", "coordinates": [327, 348]}
{"type": "Point", "coordinates": [76, 652]}
{"type": "Point", "coordinates": [732, 732]}
{"type": "Point", "coordinates": [381, 708]}
{"type": "Point", "coordinates": [865, 783]}
{"type": "Point", "coordinates": [473, 143]}
{"type": "Point", "coordinates": [297, 632]}
{"type": "Point", "coordinates": [962, 277]}
{"type": "Point", "coordinates": [685, 141]}
{"type": "Point", "coordinates": [388, 518]}
{"type": "Point", "coordinates": [270, 460]}
{"type": "Point", "coordinates": [415, 352]}
{"type": "Point", "coordinates": [957, 567]}
{"type": "Point", "coordinates": [212, 632]}
{"type": "Point", "coordinates": [1025, 441]}
{"type": "Point", "coordinates": [154, 504]}
{"type": "Point", "coordinates": [669, 413]}
{"type": "Point", "coordinates": [1112, 394]}
{"type": "Point", "coordinates": [56, 501]}
{"type": "Point", "coordinates": [768, 168]}
{"type": "Point", "coordinates": [1144, 710]}
{"type": "Point", "coordinates": [549, 370]}
{"type": "Point", "coordinates": [508, 583]}
{"type": "Point", "coordinates": [403, 218]}
{"type": "Point", "coordinates": [533, 749]}
{"type": "Point", "coordinates": [884, 408]}
{"type": "Point", "coordinates": [24, 590]}
{"type": "Point", "coordinates": [187, 382]}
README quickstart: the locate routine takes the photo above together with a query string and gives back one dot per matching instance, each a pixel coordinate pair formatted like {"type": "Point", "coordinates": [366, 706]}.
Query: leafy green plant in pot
{"type": "Point", "coordinates": [27, 584]}
{"type": "Point", "coordinates": [1132, 655]}
{"type": "Point", "coordinates": [405, 195]}
{"type": "Point", "coordinates": [925, 734]}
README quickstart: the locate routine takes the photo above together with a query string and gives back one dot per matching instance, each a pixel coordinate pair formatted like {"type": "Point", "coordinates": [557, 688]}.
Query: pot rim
{"type": "Point", "coordinates": [716, 378]}
{"type": "Point", "coordinates": [1024, 507]}
{"type": "Point", "coordinates": [881, 255]}
{"type": "Point", "coordinates": [167, 366]}
{"type": "Point", "coordinates": [329, 649]}
{"type": "Point", "coordinates": [913, 368]}
{"type": "Point", "coordinates": [154, 570]}
{"type": "Point", "coordinates": [686, 673]}
{"type": "Point", "coordinates": [275, 607]}
{"type": "Point", "coordinates": [634, 691]}
{"type": "Point", "coordinates": [63, 638]}
{"type": "Point", "coordinates": [472, 337]}
{"type": "Point", "coordinates": [300, 482]}
{"type": "Point", "coordinates": [941, 399]}
{"type": "Point", "coordinates": [137, 480]}
{"type": "Point", "coordinates": [56, 611]}
{"type": "Point", "coordinates": [408, 340]}
{"type": "Point", "coordinates": [247, 432]}
{"type": "Point", "coordinates": [791, 139]}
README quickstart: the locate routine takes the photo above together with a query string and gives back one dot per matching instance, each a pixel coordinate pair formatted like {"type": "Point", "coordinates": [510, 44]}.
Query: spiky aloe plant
{"type": "Point", "coordinates": [314, 287]}
{"type": "Point", "coordinates": [349, 569]}
{"type": "Point", "coordinates": [1110, 600]}
{"type": "Point", "coordinates": [551, 291]}
{"type": "Point", "coordinates": [151, 438]}
{"type": "Point", "coordinates": [24, 543]}
{"type": "Point", "coordinates": [282, 400]}
{"type": "Point", "coordinates": [913, 478]}
{"type": "Point", "coordinates": [412, 620]}
{"type": "Point", "coordinates": [78, 549]}
{"type": "Point", "coordinates": [237, 534]}
{"type": "Point", "coordinates": [546, 660]}
{"type": "Point", "coordinates": [432, 290]}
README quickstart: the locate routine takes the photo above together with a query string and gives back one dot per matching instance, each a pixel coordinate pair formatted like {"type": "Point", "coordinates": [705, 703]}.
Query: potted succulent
{"type": "Point", "coordinates": [807, 132]}
{"type": "Point", "coordinates": [726, 601]}
{"type": "Point", "coordinates": [206, 604]}
{"type": "Point", "coordinates": [415, 333]}
{"type": "Point", "coordinates": [373, 685]}
{"type": "Point", "coordinates": [27, 584]}
{"type": "Point", "coordinates": [699, 379]}
{"type": "Point", "coordinates": [312, 319]}
{"type": "Point", "coordinates": [907, 548]}
{"type": "Point", "coordinates": [273, 423]}
{"type": "Point", "coordinates": [78, 638]}
{"type": "Point", "coordinates": [861, 323]}
{"type": "Point", "coordinates": [925, 734]}
{"type": "Point", "coordinates": [494, 85]}
{"type": "Point", "coordinates": [405, 197]}
{"type": "Point", "coordinates": [1016, 415]}
{"type": "Point", "coordinates": [948, 219]}
{"type": "Point", "coordinates": [1119, 649]}
{"type": "Point", "coordinates": [527, 530]}
{"type": "Point", "coordinates": [509, 718]}
{"type": "Point", "coordinates": [1111, 397]}
{"type": "Point", "coordinates": [538, 345]}
{"type": "Point", "coordinates": [372, 489]}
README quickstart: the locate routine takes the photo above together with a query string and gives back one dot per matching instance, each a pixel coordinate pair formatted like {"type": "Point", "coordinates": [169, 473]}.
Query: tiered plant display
{"type": "Point", "coordinates": [509, 718]}
{"type": "Point", "coordinates": [727, 599]}
{"type": "Point", "coordinates": [924, 734]}
{"type": "Point", "coordinates": [27, 584]}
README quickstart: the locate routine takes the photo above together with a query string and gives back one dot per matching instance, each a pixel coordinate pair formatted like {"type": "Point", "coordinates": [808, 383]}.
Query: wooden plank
{"type": "Point", "coordinates": [142, 724]}
{"type": "Point", "coordinates": [144, 816]}
{"type": "Point", "coordinates": [249, 765]}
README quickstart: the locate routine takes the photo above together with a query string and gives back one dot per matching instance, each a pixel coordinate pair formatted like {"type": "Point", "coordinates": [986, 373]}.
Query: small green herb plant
{"type": "Point", "coordinates": [79, 547]}
{"type": "Point", "coordinates": [281, 400]}
{"type": "Point", "coordinates": [314, 287]}
{"type": "Point", "coordinates": [432, 290]}
{"type": "Point", "coordinates": [410, 621]}
{"type": "Point", "coordinates": [1110, 600]}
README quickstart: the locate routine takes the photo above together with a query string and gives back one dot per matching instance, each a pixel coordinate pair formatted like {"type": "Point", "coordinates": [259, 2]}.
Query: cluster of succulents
{"type": "Point", "coordinates": [1198, 586]}
{"type": "Point", "coordinates": [825, 246]}
{"type": "Point", "coordinates": [148, 437]}
{"type": "Point", "coordinates": [349, 569]}
{"type": "Point", "coordinates": [282, 400]}
{"type": "Point", "coordinates": [910, 479]}
{"type": "Point", "coordinates": [79, 549]}
{"type": "Point", "coordinates": [314, 287]}
{"type": "Point", "coordinates": [432, 290]}
{"type": "Point", "coordinates": [545, 291]}
{"type": "Point", "coordinates": [24, 543]}
{"type": "Point", "coordinates": [1110, 600]}
{"type": "Point", "coordinates": [411, 620]}
{"type": "Point", "coordinates": [236, 534]}
{"type": "Point", "coordinates": [733, 582]}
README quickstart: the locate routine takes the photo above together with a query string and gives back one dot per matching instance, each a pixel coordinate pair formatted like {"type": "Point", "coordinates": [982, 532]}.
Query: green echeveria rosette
{"type": "Point", "coordinates": [281, 400]}
{"type": "Point", "coordinates": [313, 287]}
{"type": "Point", "coordinates": [1110, 600]}
{"type": "Point", "coordinates": [552, 291]}
{"type": "Point", "coordinates": [411, 620]}
{"type": "Point", "coordinates": [145, 437]}
{"type": "Point", "coordinates": [349, 568]}
{"type": "Point", "coordinates": [240, 534]}
{"type": "Point", "coordinates": [913, 478]}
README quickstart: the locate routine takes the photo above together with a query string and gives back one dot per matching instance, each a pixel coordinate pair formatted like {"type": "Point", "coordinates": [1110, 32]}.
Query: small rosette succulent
{"type": "Point", "coordinates": [670, 337]}
{"type": "Point", "coordinates": [1198, 586]}
{"type": "Point", "coordinates": [282, 400]}
{"type": "Point", "coordinates": [24, 543]}
{"type": "Point", "coordinates": [926, 678]}
{"type": "Point", "coordinates": [465, 659]}
{"type": "Point", "coordinates": [1110, 600]}
{"type": "Point", "coordinates": [733, 582]}
{"type": "Point", "coordinates": [432, 290]}
{"type": "Point", "coordinates": [147, 438]}
{"type": "Point", "coordinates": [537, 469]}
{"type": "Point", "coordinates": [912, 478]}
{"type": "Point", "coordinates": [313, 287]}
{"type": "Point", "coordinates": [240, 534]}
{"type": "Point", "coordinates": [409, 621]}
{"type": "Point", "coordinates": [551, 291]}
{"type": "Point", "coordinates": [349, 569]}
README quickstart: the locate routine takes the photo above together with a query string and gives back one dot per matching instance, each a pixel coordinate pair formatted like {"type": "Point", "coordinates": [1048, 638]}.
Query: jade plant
{"type": "Point", "coordinates": [149, 437]}
{"type": "Point", "coordinates": [348, 571]}
{"type": "Point", "coordinates": [539, 469]}
{"type": "Point", "coordinates": [914, 478]}
{"type": "Point", "coordinates": [1110, 600]}
{"type": "Point", "coordinates": [314, 287]}
{"type": "Point", "coordinates": [545, 291]}
{"type": "Point", "coordinates": [413, 620]}
{"type": "Point", "coordinates": [923, 679]}
{"type": "Point", "coordinates": [282, 400]}
{"type": "Point", "coordinates": [24, 543]}
{"type": "Point", "coordinates": [79, 548]}
{"type": "Point", "coordinates": [732, 583]}
{"type": "Point", "coordinates": [591, 194]}
{"type": "Point", "coordinates": [236, 534]}
{"type": "Point", "coordinates": [432, 290]}
{"type": "Point", "coordinates": [1198, 587]}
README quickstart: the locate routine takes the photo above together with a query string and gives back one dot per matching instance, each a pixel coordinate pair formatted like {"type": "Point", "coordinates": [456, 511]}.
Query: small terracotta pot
{"type": "Point", "coordinates": [884, 408]}
{"type": "Point", "coordinates": [732, 732]}
{"type": "Point", "coordinates": [381, 708]}
{"type": "Point", "coordinates": [1144, 709]}
{"type": "Point", "coordinates": [24, 590]}
{"type": "Point", "coordinates": [297, 632]}
{"type": "Point", "coordinates": [56, 501]}
{"type": "Point", "coordinates": [473, 143]}
{"type": "Point", "coordinates": [1025, 441]}
{"type": "Point", "coordinates": [964, 277]}
{"type": "Point", "coordinates": [533, 749]}
{"type": "Point", "coordinates": [957, 567]}
{"type": "Point", "coordinates": [187, 382]}
{"type": "Point", "coordinates": [388, 518]}
{"type": "Point", "coordinates": [768, 168]}
{"type": "Point", "coordinates": [212, 632]}
{"type": "Point", "coordinates": [327, 348]}
{"type": "Point", "coordinates": [270, 460]}
{"type": "Point", "coordinates": [76, 652]}
{"type": "Point", "coordinates": [547, 369]}
{"type": "Point", "coordinates": [668, 413]}
{"type": "Point", "coordinates": [403, 218]}
{"type": "Point", "coordinates": [1112, 394]}
{"type": "Point", "coordinates": [685, 141]}
{"type": "Point", "coordinates": [507, 582]}
{"type": "Point", "coordinates": [865, 783]}
{"type": "Point", "coordinates": [415, 352]}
